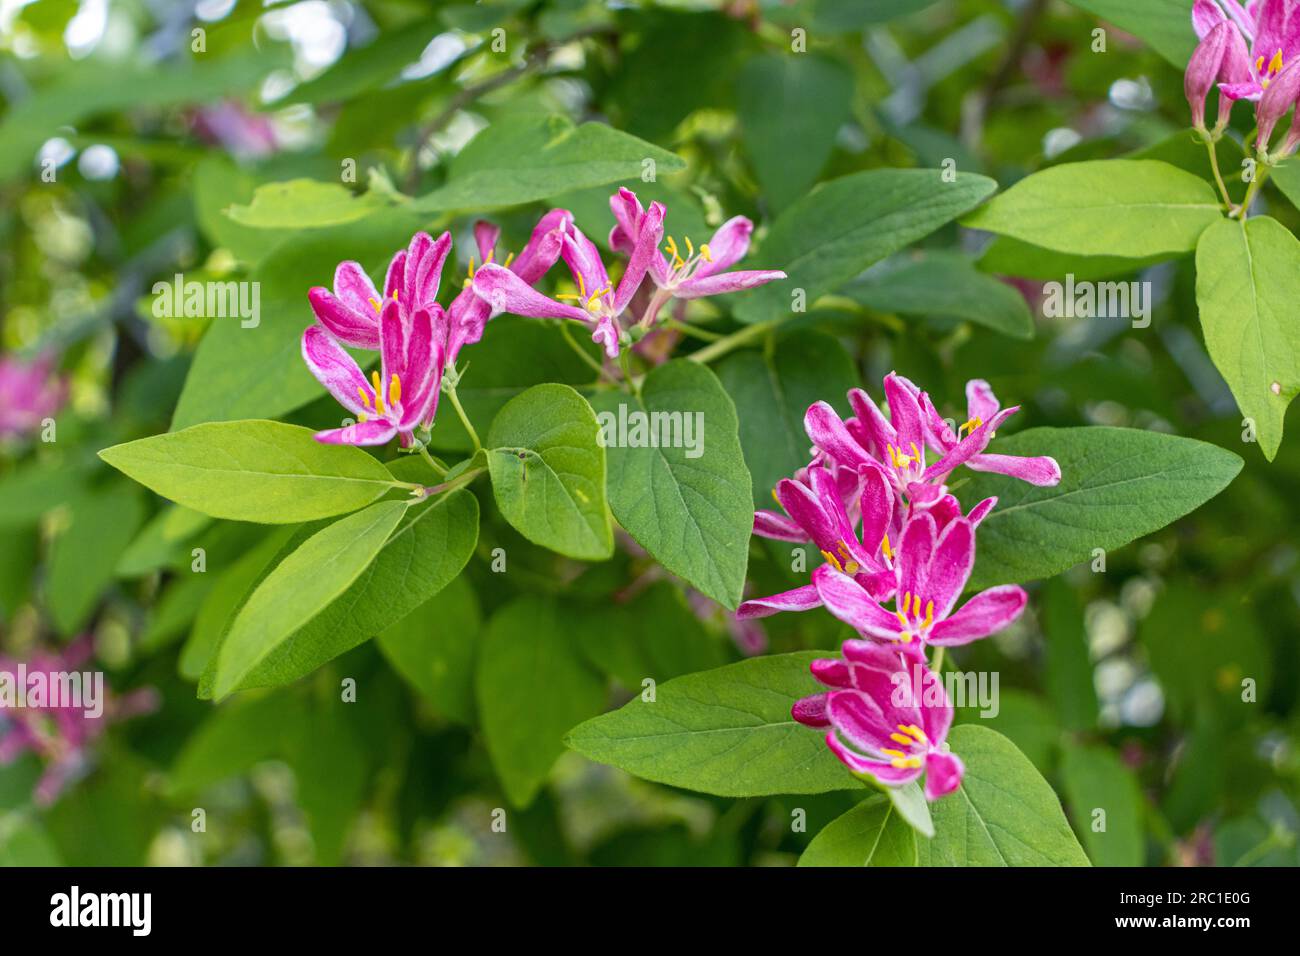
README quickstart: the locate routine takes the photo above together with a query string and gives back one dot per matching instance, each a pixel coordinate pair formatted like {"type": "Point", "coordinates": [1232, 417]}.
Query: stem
{"type": "Point", "coordinates": [937, 664]}
{"type": "Point", "coordinates": [694, 330]}
{"type": "Point", "coordinates": [731, 342]}
{"type": "Point", "coordinates": [625, 363]}
{"type": "Point", "coordinates": [652, 309]}
{"type": "Point", "coordinates": [1218, 176]}
{"type": "Point", "coordinates": [1261, 174]}
{"type": "Point", "coordinates": [460, 413]}
{"type": "Point", "coordinates": [424, 453]}
{"type": "Point", "coordinates": [460, 481]}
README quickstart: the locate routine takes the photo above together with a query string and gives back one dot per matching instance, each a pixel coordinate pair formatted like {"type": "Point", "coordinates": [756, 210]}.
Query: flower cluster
{"type": "Point", "coordinates": [1251, 52]}
{"type": "Point", "coordinates": [419, 341]}
{"type": "Point", "coordinates": [899, 551]}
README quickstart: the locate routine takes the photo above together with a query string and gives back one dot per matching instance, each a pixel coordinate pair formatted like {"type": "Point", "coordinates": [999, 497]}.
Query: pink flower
{"type": "Point", "coordinates": [30, 392]}
{"type": "Point", "coordinates": [351, 312]}
{"type": "Point", "coordinates": [469, 313]}
{"type": "Point", "coordinates": [1272, 27]}
{"type": "Point", "coordinates": [60, 736]}
{"type": "Point", "coordinates": [597, 299]}
{"type": "Point", "coordinates": [898, 445]}
{"type": "Point", "coordinates": [689, 273]}
{"type": "Point", "coordinates": [932, 564]}
{"type": "Point", "coordinates": [888, 718]}
{"type": "Point", "coordinates": [399, 397]}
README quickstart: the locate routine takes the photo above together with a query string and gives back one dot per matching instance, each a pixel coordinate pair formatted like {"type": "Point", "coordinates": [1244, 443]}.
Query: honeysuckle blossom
{"type": "Point", "coordinates": [688, 272]}
{"type": "Point", "coordinates": [469, 313]}
{"type": "Point", "coordinates": [888, 718]}
{"type": "Point", "coordinates": [30, 392]}
{"type": "Point", "coordinates": [351, 313]}
{"type": "Point", "coordinates": [1270, 27]}
{"type": "Point", "coordinates": [931, 565]}
{"type": "Point", "coordinates": [60, 736]}
{"type": "Point", "coordinates": [597, 299]}
{"type": "Point", "coordinates": [1205, 69]}
{"type": "Point", "coordinates": [898, 445]}
{"type": "Point", "coordinates": [402, 395]}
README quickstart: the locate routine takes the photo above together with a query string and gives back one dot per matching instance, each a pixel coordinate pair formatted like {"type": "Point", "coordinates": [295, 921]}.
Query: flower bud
{"type": "Point", "coordinates": [1203, 71]}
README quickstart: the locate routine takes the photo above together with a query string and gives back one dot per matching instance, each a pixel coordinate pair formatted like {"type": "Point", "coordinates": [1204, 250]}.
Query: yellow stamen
{"type": "Point", "coordinates": [670, 246]}
{"type": "Point", "coordinates": [394, 390]}
{"type": "Point", "coordinates": [775, 498]}
{"type": "Point", "coordinates": [970, 425]}
{"type": "Point", "coordinates": [375, 304]}
{"type": "Point", "coordinates": [365, 399]}
{"type": "Point", "coordinates": [929, 613]}
{"type": "Point", "coordinates": [1275, 64]}
{"type": "Point", "coordinates": [471, 267]}
{"type": "Point", "coordinates": [852, 567]}
{"type": "Point", "coordinates": [902, 739]}
{"type": "Point", "coordinates": [905, 637]}
{"type": "Point", "coordinates": [1259, 65]}
{"type": "Point", "coordinates": [902, 618]}
{"type": "Point", "coordinates": [894, 753]}
{"type": "Point", "coordinates": [690, 249]}
{"type": "Point", "coordinates": [905, 763]}
{"type": "Point", "coordinates": [363, 417]}
{"type": "Point", "coordinates": [889, 552]}
{"type": "Point", "coordinates": [396, 294]}
{"type": "Point", "coordinates": [704, 251]}
{"type": "Point", "coordinates": [379, 393]}
{"type": "Point", "coordinates": [833, 561]}
{"type": "Point", "coordinates": [491, 253]}
{"type": "Point", "coordinates": [916, 453]}
{"type": "Point", "coordinates": [914, 730]}
{"type": "Point", "coordinates": [510, 257]}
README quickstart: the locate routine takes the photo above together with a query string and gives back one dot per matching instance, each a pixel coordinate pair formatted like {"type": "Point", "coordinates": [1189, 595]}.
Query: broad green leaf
{"type": "Point", "coordinates": [1247, 284]}
{"type": "Point", "coordinates": [912, 807]}
{"type": "Point", "coordinates": [85, 554]}
{"type": "Point", "coordinates": [1011, 257]}
{"type": "Point", "coordinates": [1023, 718]}
{"type": "Point", "coordinates": [514, 355]}
{"type": "Point", "coordinates": [328, 758]}
{"type": "Point", "coordinates": [301, 586]}
{"type": "Point", "coordinates": [772, 391]}
{"type": "Point", "coordinates": [726, 731]}
{"type": "Point", "coordinates": [1069, 677]}
{"type": "Point", "coordinates": [34, 487]}
{"type": "Point", "coordinates": [246, 370]}
{"type": "Point", "coordinates": [435, 649]}
{"type": "Point", "coordinates": [160, 543]}
{"type": "Point", "coordinates": [24, 842]}
{"type": "Point", "coordinates": [535, 157]}
{"type": "Point", "coordinates": [427, 550]}
{"type": "Point", "coordinates": [236, 736]}
{"type": "Point", "coordinates": [845, 225]}
{"type": "Point", "coordinates": [304, 204]}
{"type": "Point", "coordinates": [947, 285]}
{"type": "Point", "coordinates": [218, 183]}
{"type": "Point", "coordinates": [790, 107]}
{"type": "Point", "coordinates": [655, 636]}
{"type": "Point", "coordinates": [1003, 814]}
{"type": "Point", "coordinates": [1165, 24]}
{"type": "Point", "coordinates": [532, 686]}
{"type": "Point", "coordinates": [1135, 208]}
{"type": "Point", "coordinates": [548, 472]}
{"type": "Point", "coordinates": [688, 500]}
{"type": "Point", "coordinates": [259, 471]}
{"type": "Point", "coordinates": [1117, 485]}
{"type": "Point", "coordinates": [871, 834]}
{"type": "Point", "coordinates": [1105, 805]}
{"type": "Point", "coordinates": [176, 607]}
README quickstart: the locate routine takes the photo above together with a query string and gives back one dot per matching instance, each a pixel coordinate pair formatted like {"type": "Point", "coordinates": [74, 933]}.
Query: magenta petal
{"type": "Point", "coordinates": [335, 369]}
{"type": "Point", "coordinates": [485, 237]}
{"type": "Point", "coordinates": [880, 771]}
{"type": "Point", "coordinates": [358, 329]}
{"type": "Point", "coordinates": [392, 344]}
{"type": "Point", "coordinates": [986, 613]}
{"type": "Point", "coordinates": [606, 336]}
{"type": "Point", "coordinates": [950, 567]}
{"type": "Point", "coordinates": [904, 412]}
{"type": "Point", "coordinates": [1206, 15]}
{"type": "Point", "coordinates": [769, 524]}
{"type": "Point", "coordinates": [728, 246]}
{"type": "Point", "coordinates": [942, 774]}
{"type": "Point", "coordinates": [877, 506]}
{"type": "Point", "coordinates": [870, 419]}
{"type": "Point", "coordinates": [811, 711]}
{"type": "Point", "coordinates": [1042, 471]}
{"type": "Point", "coordinates": [544, 245]}
{"type": "Point", "coordinates": [826, 430]}
{"type": "Point", "coordinates": [914, 553]}
{"type": "Point", "coordinates": [850, 602]}
{"type": "Point", "coordinates": [800, 599]}
{"type": "Point", "coordinates": [803, 505]}
{"type": "Point", "coordinates": [647, 246]}
{"type": "Point", "coordinates": [833, 672]}
{"type": "Point", "coordinates": [424, 261]}
{"type": "Point", "coordinates": [981, 403]}
{"type": "Point", "coordinates": [723, 282]}
{"type": "Point", "coordinates": [583, 259]}
{"type": "Point", "coordinates": [374, 432]}
{"type": "Point", "coordinates": [354, 288]}
{"type": "Point", "coordinates": [467, 318]}
{"type": "Point", "coordinates": [504, 291]}
{"type": "Point", "coordinates": [396, 275]}
{"type": "Point", "coordinates": [981, 510]}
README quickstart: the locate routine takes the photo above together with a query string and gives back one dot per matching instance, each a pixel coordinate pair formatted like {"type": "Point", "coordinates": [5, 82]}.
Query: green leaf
{"type": "Point", "coordinates": [160, 543]}
{"type": "Point", "coordinates": [234, 738]}
{"type": "Point", "coordinates": [300, 587]}
{"type": "Point", "coordinates": [871, 834]}
{"type": "Point", "coordinates": [426, 551]}
{"type": "Point", "coordinates": [304, 204]}
{"type": "Point", "coordinates": [947, 285]}
{"type": "Point", "coordinates": [1003, 814]}
{"type": "Point", "coordinates": [85, 555]}
{"type": "Point", "coordinates": [726, 731]}
{"type": "Point", "coordinates": [790, 107]}
{"type": "Point", "coordinates": [772, 390]}
{"type": "Point", "coordinates": [1095, 780]}
{"type": "Point", "coordinates": [435, 649]}
{"type": "Point", "coordinates": [1165, 24]}
{"type": "Point", "coordinates": [845, 225]}
{"type": "Point", "coordinates": [689, 505]}
{"type": "Point", "coordinates": [536, 157]}
{"type": "Point", "coordinates": [1069, 677]}
{"type": "Point", "coordinates": [1247, 284]}
{"type": "Point", "coordinates": [1133, 208]}
{"type": "Point", "coordinates": [1011, 257]}
{"type": "Point", "coordinates": [1117, 485]}
{"type": "Point", "coordinates": [260, 471]}
{"type": "Point", "coordinates": [548, 472]}
{"type": "Point", "coordinates": [532, 686]}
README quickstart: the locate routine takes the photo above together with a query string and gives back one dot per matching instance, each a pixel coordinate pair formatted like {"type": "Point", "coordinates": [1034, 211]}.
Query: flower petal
{"type": "Point", "coordinates": [486, 235]}
{"type": "Point", "coordinates": [358, 329]}
{"type": "Point", "coordinates": [647, 246]}
{"type": "Point", "coordinates": [543, 246]}
{"type": "Point", "coordinates": [800, 599]}
{"type": "Point", "coordinates": [583, 259]}
{"type": "Point", "coordinates": [727, 246]}
{"type": "Point", "coordinates": [769, 524]}
{"type": "Point", "coordinates": [335, 369]}
{"type": "Point", "coordinates": [504, 291]}
{"type": "Point", "coordinates": [880, 771]}
{"type": "Point", "coordinates": [904, 412]}
{"type": "Point", "coordinates": [826, 430]}
{"type": "Point", "coordinates": [811, 711]}
{"type": "Point", "coordinates": [849, 601]}
{"type": "Point", "coordinates": [723, 282]}
{"type": "Point", "coordinates": [424, 260]}
{"type": "Point", "coordinates": [986, 613]}
{"type": "Point", "coordinates": [1043, 471]}
{"type": "Point", "coordinates": [374, 432]}
{"type": "Point", "coordinates": [871, 420]}
{"type": "Point", "coordinates": [354, 288]}
{"type": "Point", "coordinates": [950, 566]}
{"type": "Point", "coordinates": [943, 773]}
{"type": "Point", "coordinates": [914, 553]}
